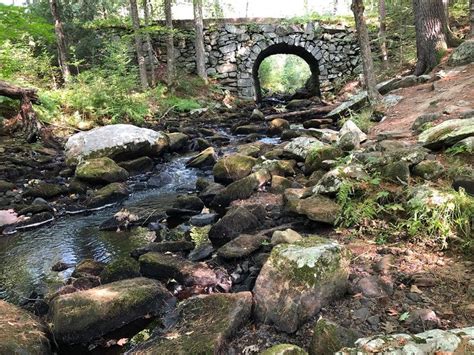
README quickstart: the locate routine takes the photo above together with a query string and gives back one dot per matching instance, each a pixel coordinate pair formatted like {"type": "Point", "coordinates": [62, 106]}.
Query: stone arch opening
{"type": "Point", "coordinates": [284, 48]}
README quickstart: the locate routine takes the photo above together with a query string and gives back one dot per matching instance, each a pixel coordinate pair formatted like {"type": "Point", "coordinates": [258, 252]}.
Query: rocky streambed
{"type": "Point", "coordinates": [211, 238]}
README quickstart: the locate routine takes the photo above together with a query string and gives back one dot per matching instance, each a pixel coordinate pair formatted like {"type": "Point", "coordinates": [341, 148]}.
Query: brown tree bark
{"type": "Point", "coordinates": [26, 120]}
{"type": "Point", "coordinates": [430, 34]}
{"type": "Point", "coordinates": [365, 51]}
{"type": "Point", "coordinates": [138, 44]}
{"type": "Point", "coordinates": [60, 40]}
{"type": "Point", "coordinates": [151, 54]}
{"type": "Point", "coordinates": [471, 17]}
{"type": "Point", "coordinates": [199, 43]}
{"type": "Point", "coordinates": [451, 39]}
{"type": "Point", "coordinates": [383, 32]}
{"type": "Point", "coordinates": [170, 65]}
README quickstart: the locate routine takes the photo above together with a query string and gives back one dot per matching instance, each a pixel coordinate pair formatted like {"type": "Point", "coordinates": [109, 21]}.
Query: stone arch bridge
{"type": "Point", "coordinates": [236, 48]}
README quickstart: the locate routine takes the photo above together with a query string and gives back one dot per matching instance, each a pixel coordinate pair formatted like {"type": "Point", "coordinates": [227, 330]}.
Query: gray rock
{"type": "Point", "coordinates": [205, 159]}
{"type": "Point", "coordinates": [350, 126]}
{"type": "Point", "coordinates": [464, 54]}
{"type": "Point", "coordinates": [100, 170]}
{"type": "Point", "coordinates": [116, 142]}
{"type": "Point", "coordinates": [288, 236]}
{"type": "Point", "coordinates": [242, 246]}
{"type": "Point", "coordinates": [447, 133]}
{"type": "Point", "coordinates": [317, 208]}
{"type": "Point", "coordinates": [297, 280]}
{"type": "Point", "coordinates": [329, 337]}
{"type": "Point", "coordinates": [301, 146]}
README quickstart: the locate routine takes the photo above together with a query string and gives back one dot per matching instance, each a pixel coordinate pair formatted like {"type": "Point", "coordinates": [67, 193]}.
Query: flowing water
{"type": "Point", "coordinates": [26, 258]}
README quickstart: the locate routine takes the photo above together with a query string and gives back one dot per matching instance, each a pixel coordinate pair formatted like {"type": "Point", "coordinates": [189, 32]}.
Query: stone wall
{"type": "Point", "coordinates": [232, 49]}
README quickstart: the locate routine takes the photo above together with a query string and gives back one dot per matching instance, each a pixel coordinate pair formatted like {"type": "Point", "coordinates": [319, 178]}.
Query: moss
{"type": "Point", "coordinates": [284, 349]}
{"type": "Point", "coordinates": [315, 158]}
{"type": "Point", "coordinates": [101, 170]}
{"type": "Point", "coordinates": [120, 269]}
{"type": "Point", "coordinates": [233, 167]}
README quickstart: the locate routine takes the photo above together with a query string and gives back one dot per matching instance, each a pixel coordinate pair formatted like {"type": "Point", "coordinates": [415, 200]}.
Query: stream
{"type": "Point", "coordinates": [26, 258]}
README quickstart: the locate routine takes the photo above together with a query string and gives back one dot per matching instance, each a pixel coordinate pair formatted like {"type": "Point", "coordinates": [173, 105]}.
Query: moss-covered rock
{"type": "Point", "coordinates": [277, 167]}
{"type": "Point", "coordinates": [138, 165]}
{"type": "Point", "coordinates": [243, 245]}
{"type": "Point", "coordinates": [186, 205]}
{"type": "Point", "coordinates": [428, 169]}
{"type": "Point", "coordinates": [6, 186]}
{"type": "Point", "coordinates": [85, 315]}
{"type": "Point", "coordinates": [120, 269]}
{"type": "Point", "coordinates": [287, 236]}
{"type": "Point", "coordinates": [45, 190]}
{"type": "Point", "coordinates": [300, 147]}
{"type": "Point", "coordinates": [464, 54]}
{"type": "Point", "coordinates": [101, 170]}
{"type": "Point", "coordinates": [253, 149]}
{"type": "Point", "coordinates": [205, 159]}
{"type": "Point", "coordinates": [232, 168]}
{"type": "Point", "coordinates": [204, 325]}
{"type": "Point", "coordinates": [317, 208]}
{"type": "Point", "coordinates": [284, 349]}
{"type": "Point", "coordinates": [88, 267]}
{"type": "Point", "coordinates": [21, 332]}
{"type": "Point", "coordinates": [241, 189]}
{"type": "Point", "coordinates": [447, 133]}
{"type": "Point", "coordinates": [316, 157]}
{"type": "Point", "coordinates": [297, 280]}
{"type": "Point", "coordinates": [397, 172]}
{"type": "Point", "coordinates": [329, 337]}
{"type": "Point", "coordinates": [280, 184]}
{"type": "Point", "coordinates": [108, 194]}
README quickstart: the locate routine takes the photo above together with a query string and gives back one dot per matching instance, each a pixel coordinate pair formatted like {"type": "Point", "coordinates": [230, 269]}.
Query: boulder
{"type": "Point", "coordinates": [317, 123]}
{"type": "Point", "coordinates": [277, 126]}
{"type": "Point", "coordinates": [208, 194]}
{"type": "Point", "coordinates": [101, 170]}
{"type": "Point", "coordinates": [422, 120]}
{"type": "Point", "coordinates": [165, 267]}
{"type": "Point", "coordinates": [353, 103]}
{"type": "Point", "coordinates": [436, 341]}
{"type": "Point", "coordinates": [284, 349]}
{"type": "Point", "coordinates": [86, 315]}
{"type": "Point", "coordinates": [232, 168]}
{"type": "Point", "coordinates": [44, 190]}
{"type": "Point", "coordinates": [300, 147]}
{"type": "Point", "coordinates": [236, 221]}
{"type": "Point", "coordinates": [276, 167]}
{"type": "Point", "coordinates": [329, 337]}
{"type": "Point", "coordinates": [120, 141]}
{"type": "Point", "coordinates": [242, 246]}
{"type": "Point", "coordinates": [186, 205]}
{"type": "Point", "coordinates": [120, 269]}
{"type": "Point", "coordinates": [298, 104]}
{"type": "Point", "coordinates": [279, 184]}
{"type": "Point", "coordinates": [204, 325]}
{"type": "Point", "coordinates": [88, 267]}
{"type": "Point", "coordinates": [6, 186]}
{"type": "Point", "coordinates": [21, 332]}
{"type": "Point", "coordinates": [257, 115]}
{"type": "Point", "coordinates": [447, 133]}
{"type": "Point", "coordinates": [253, 149]}
{"type": "Point", "coordinates": [138, 165]}
{"type": "Point", "coordinates": [331, 182]}
{"type": "Point", "coordinates": [177, 141]}
{"type": "Point", "coordinates": [349, 141]}
{"type": "Point", "coordinates": [316, 158]}
{"type": "Point", "coordinates": [298, 280]}
{"type": "Point", "coordinates": [248, 129]}
{"type": "Point", "coordinates": [205, 159]}
{"type": "Point", "coordinates": [397, 172]}
{"type": "Point", "coordinates": [464, 182]}
{"type": "Point", "coordinates": [287, 236]}
{"type": "Point", "coordinates": [317, 208]}
{"type": "Point", "coordinates": [350, 126]}
{"type": "Point", "coordinates": [108, 194]}
{"type": "Point", "coordinates": [241, 189]}
{"type": "Point", "coordinates": [464, 54]}
{"type": "Point", "coordinates": [428, 169]}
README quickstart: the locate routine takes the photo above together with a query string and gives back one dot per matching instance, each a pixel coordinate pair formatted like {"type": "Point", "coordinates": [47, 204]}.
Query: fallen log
{"type": "Point", "coordinates": [309, 113]}
{"type": "Point", "coordinates": [18, 93]}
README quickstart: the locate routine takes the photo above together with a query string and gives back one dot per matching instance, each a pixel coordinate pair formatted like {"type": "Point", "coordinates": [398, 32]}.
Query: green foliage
{"type": "Point", "coordinates": [283, 73]}
{"type": "Point", "coordinates": [16, 23]}
{"type": "Point", "coordinates": [455, 150]}
{"type": "Point", "coordinates": [199, 235]}
{"type": "Point", "coordinates": [179, 104]}
{"type": "Point", "coordinates": [361, 118]}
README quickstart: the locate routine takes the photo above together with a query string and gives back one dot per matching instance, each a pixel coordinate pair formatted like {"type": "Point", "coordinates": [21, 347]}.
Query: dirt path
{"type": "Point", "coordinates": [453, 94]}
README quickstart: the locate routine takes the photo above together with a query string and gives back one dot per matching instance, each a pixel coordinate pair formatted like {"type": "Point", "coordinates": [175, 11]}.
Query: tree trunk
{"type": "Point", "coordinates": [430, 34]}
{"type": "Point", "coordinates": [61, 41]}
{"type": "Point", "coordinates": [451, 39]}
{"type": "Point", "coordinates": [26, 120]}
{"type": "Point", "coordinates": [138, 44]}
{"type": "Point", "coordinates": [383, 32]}
{"type": "Point", "coordinates": [199, 44]}
{"type": "Point", "coordinates": [151, 54]}
{"type": "Point", "coordinates": [471, 16]}
{"type": "Point", "coordinates": [365, 52]}
{"type": "Point", "coordinates": [170, 66]}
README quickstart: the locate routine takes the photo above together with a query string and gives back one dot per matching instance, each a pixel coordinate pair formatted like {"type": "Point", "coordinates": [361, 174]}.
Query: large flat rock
{"type": "Point", "coordinates": [85, 315]}
{"type": "Point", "coordinates": [120, 141]}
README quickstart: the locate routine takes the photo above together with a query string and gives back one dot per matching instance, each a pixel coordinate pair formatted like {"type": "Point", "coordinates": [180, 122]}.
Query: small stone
{"type": "Point", "coordinates": [288, 236]}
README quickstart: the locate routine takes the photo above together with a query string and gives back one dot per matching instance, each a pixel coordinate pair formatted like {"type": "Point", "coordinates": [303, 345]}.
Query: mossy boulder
{"type": "Point", "coordinates": [464, 54]}
{"type": "Point", "coordinates": [287, 236]}
{"type": "Point", "coordinates": [428, 169]}
{"type": "Point", "coordinates": [108, 194]}
{"type": "Point", "coordinates": [120, 269]}
{"type": "Point", "coordinates": [242, 246]}
{"type": "Point", "coordinates": [298, 280]}
{"type": "Point", "coordinates": [447, 133]}
{"type": "Point", "coordinates": [298, 104]}
{"type": "Point", "coordinates": [21, 332]}
{"type": "Point", "coordinates": [316, 158]}
{"type": "Point", "coordinates": [204, 159]}
{"type": "Point", "coordinates": [186, 205]}
{"type": "Point", "coordinates": [86, 315]}
{"type": "Point", "coordinates": [241, 189]}
{"type": "Point", "coordinates": [253, 149]}
{"type": "Point", "coordinates": [6, 186]}
{"type": "Point", "coordinates": [88, 267]}
{"type": "Point", "coordinates": [119, 142]}
{"type": "Point", "coordinates": [329, 337]}
{"type": "Point", "coordinates": [397, 172]}
{"type": "Point", "coordinates": [177, 141]}
{"type": "Point", "coordinates": [232, 168]}
{"type": "Point", "coordinates": [276, 167]}
{"type": "Point", "coordinates": [280, 184]}
{"type": "Point", "coordinates": [101, 170]}
{"type": "Point", "coordinates": [317, 208]}
{"type": "Point", "coordinates": [284, 349]}
{"type": "Point", "coordinates": [204, 325]}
